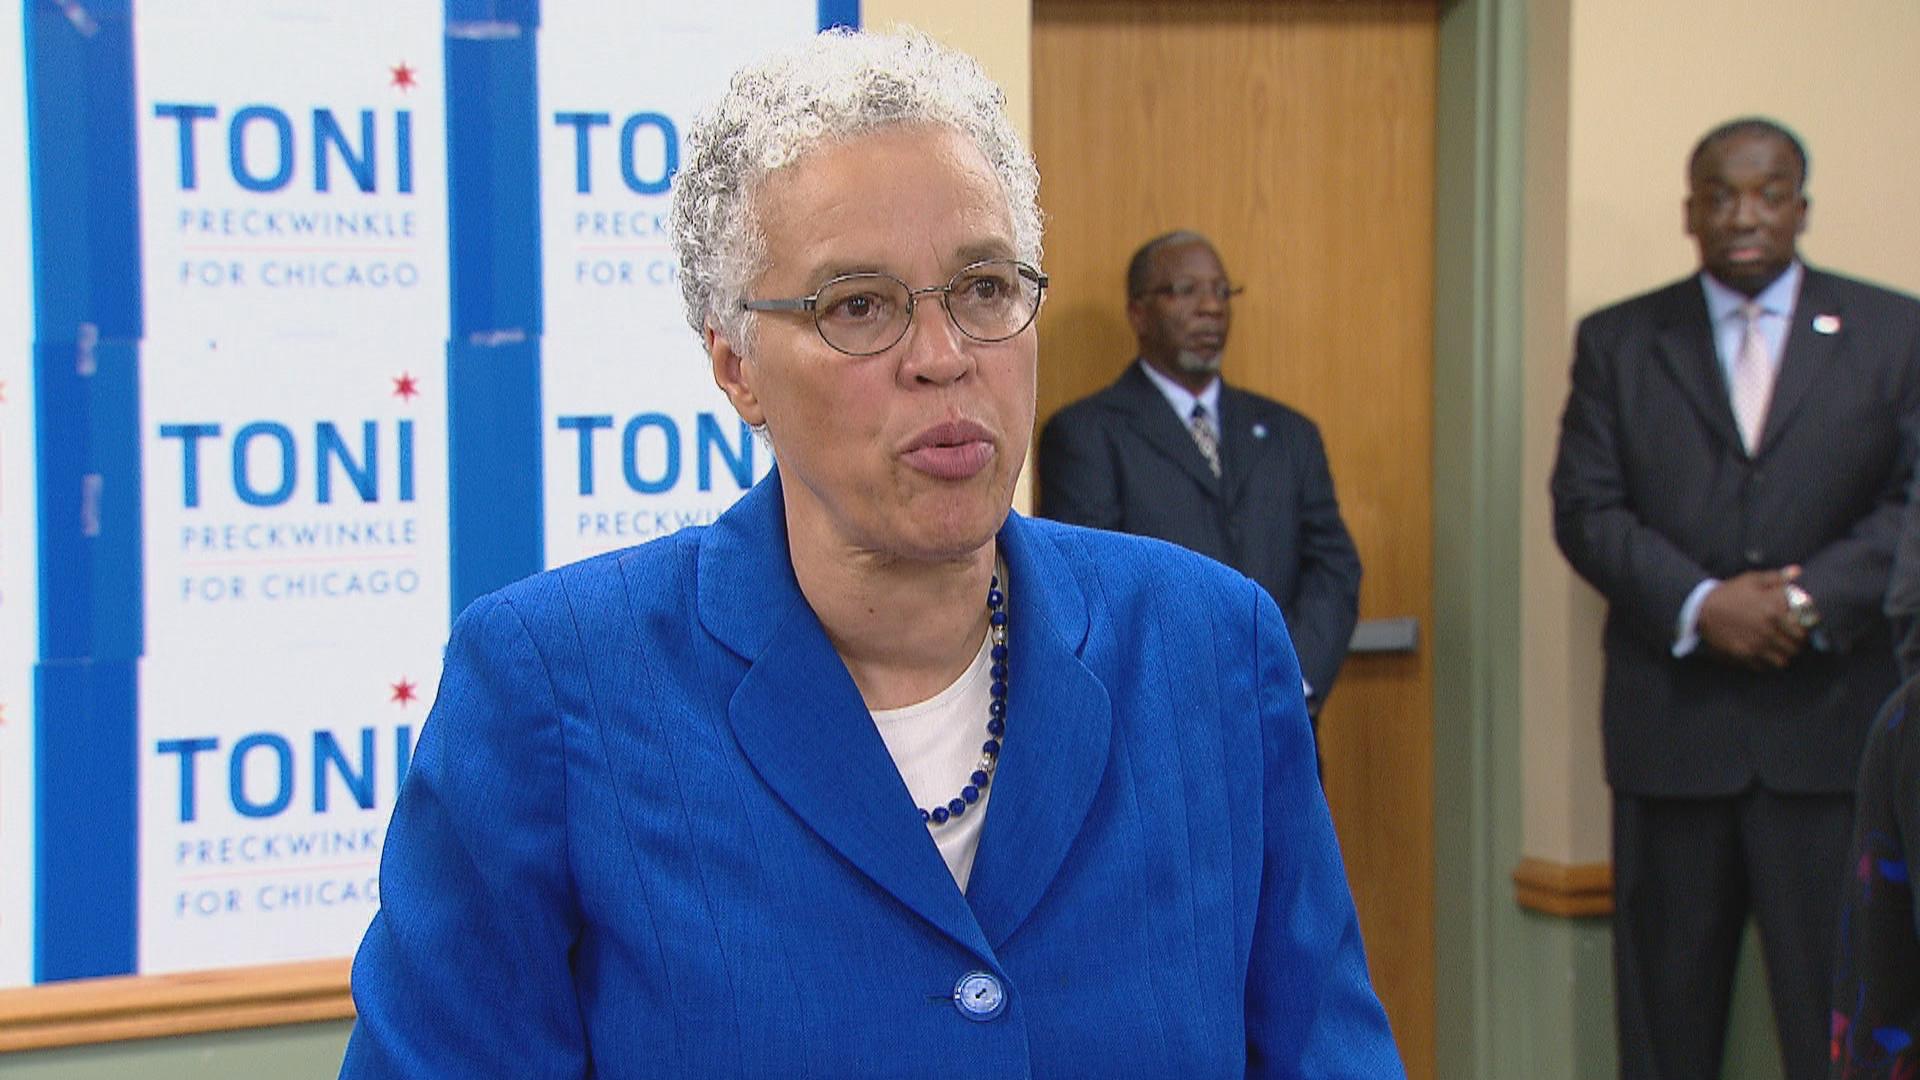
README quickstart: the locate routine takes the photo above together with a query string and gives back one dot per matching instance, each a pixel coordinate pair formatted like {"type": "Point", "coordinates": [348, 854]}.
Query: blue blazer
{"type": "Point", "coordinates": [651, 831]}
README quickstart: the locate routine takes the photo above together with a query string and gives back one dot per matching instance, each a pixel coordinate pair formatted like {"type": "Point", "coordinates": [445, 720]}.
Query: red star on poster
{"type": "Point", "coordinates": [403, 691]}
{"type": "Point", "coordinates": [3, 391]}
{"type": "Point", "coordinates": [406, 387]}
{"type": "Point", "coordinates": [403, 76]}
{"type": "Point", "coordinates": [3, 715]}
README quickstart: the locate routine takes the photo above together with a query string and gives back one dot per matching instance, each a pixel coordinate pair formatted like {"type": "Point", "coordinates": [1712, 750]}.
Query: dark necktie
{"type": "Point", "coordinates": [1205, 437]}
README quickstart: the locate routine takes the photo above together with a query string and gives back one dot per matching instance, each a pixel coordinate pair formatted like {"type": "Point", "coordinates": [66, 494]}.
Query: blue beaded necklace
{"type": "Point", "coordinates": [996, 714]}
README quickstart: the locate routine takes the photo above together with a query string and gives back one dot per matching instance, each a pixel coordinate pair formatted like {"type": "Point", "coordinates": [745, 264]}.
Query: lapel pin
{"type": "Point", "coordinates": [1826, 324]}
{"type": "Point", "coordinates": [1259, 431]}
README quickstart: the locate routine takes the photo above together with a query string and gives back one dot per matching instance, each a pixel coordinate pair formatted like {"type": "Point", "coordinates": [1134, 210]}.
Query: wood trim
{"type": "Point", "coordinates": [150, 1006]}
{"type": "Point", "coordinates": [1570, 891]}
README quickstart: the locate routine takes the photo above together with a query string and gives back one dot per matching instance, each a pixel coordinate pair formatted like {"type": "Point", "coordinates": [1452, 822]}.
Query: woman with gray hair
{"type": "Point", "coordinates": [871, 777]}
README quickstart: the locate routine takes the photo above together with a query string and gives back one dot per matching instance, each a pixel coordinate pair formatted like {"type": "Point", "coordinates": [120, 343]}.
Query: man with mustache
{"type": "Point", "coordinates": [1731, 476]}
{"type": "Point", "coordinates": [1170, 451]}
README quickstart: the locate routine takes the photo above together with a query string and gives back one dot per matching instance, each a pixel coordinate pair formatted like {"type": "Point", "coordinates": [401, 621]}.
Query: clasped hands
{"type": "Point", "coordinates": [1745, 620]}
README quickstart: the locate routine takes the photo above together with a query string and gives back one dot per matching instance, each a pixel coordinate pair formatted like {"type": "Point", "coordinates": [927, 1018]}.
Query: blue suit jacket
{"type": "Point", "coordinates": [651, 831]}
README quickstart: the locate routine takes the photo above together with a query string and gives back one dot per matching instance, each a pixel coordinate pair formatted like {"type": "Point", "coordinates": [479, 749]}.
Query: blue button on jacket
{"type": "Point", "coordinates": [651, 831]}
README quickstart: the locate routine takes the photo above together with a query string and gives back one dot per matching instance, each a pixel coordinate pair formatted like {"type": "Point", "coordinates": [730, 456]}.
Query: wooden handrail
{"type": "Point", "coordinates": [150, 1006]}
{"type": "Point", "coordinates": [1566, 890]}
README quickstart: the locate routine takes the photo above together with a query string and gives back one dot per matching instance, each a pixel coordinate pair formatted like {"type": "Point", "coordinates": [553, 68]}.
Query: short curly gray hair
{"type": "Point", "coordinates": [777, 110]}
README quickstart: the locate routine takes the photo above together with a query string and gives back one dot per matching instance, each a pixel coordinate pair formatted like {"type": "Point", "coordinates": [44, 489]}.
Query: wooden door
{"type": "Point", "coordinates": [1299, 135]}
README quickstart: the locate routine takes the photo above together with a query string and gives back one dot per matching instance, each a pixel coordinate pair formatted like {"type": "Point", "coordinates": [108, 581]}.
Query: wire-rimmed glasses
{"type": "Point", "coordinates": [869, 312]}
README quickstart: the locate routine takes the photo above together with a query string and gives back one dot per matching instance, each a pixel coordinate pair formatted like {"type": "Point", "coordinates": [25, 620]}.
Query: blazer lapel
{"type": "Point", "coordinates": [1685, 343]}
{"type": "Point", "coordinates": [799, 718]}
{"type": "Point", "coordinates": [1157, 424]}
{"type": "Point", "coordinates": [1807, 353]}
{"type": "Point", "coordinates": [1059, 722]}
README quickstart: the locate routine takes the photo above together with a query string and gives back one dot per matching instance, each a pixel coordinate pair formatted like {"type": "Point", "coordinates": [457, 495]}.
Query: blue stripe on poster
{"type": "Point", "coordinates": [86, 243]}
{"type": "Point", "coordinates": [64, 485]}
{"type": "Point", "coordinates": [92, 588]}
{"type": "Point", "coordinates": [86, 210]}
{"type": "Point", "coordinates": [119, 585]}
{"type": "Point", "coordinates": [87, 320]}
{"type": "Point", "coordinates": [493, 419]}
{"type": "Point", "coordinates": [493, 179]}
{"type": "Point", "coordinates": [839, 13]}
{"type": "Point", "coordinates": [86, 294]}
{"type": "Point", "coordinates": [493, 359]}
{"type": "Point", "coordinates": [86, 827]}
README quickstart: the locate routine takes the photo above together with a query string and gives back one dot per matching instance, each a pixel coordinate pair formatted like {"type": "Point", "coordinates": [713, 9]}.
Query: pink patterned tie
{"type": "Point", "coordinates": [1752, 378]}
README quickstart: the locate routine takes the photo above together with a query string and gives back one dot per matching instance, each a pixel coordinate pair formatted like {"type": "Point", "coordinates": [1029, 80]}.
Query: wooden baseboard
{"type": "Point", "coordinates": [150, 1006]}
{"type": "Point", "coordinates": [1567, 890]}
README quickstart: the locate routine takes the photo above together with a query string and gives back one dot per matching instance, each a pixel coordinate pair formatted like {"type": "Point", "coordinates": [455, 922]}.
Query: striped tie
{"type": "Point", "coordinates": [1207, 439]}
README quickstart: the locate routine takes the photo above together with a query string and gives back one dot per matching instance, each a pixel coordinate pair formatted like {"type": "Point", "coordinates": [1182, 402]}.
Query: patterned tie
{"type": "Point", "coordinates": [1752, 377]}
{"type": "Point", "coordinates": [1207, 439]}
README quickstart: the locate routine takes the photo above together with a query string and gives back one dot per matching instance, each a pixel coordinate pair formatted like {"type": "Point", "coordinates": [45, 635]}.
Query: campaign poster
{"type": "Point", "coordinates": [636, 439]}
{"type": "Point", "coordinates": [266, 782]}
{"type": "Point", "coordinates": [295, 533]}
{"type": "Point", "coordinates": [19, 635]}
{"type": "Point", "coordinates": [295, 496]}
{"type": "Point", "coordinates": [292, 162]}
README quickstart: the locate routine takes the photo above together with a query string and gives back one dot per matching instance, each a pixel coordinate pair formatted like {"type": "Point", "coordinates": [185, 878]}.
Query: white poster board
{"type": "Point", "coordinates": [292, 167]}
{"type": "Point", "coordinates": [637, 440]}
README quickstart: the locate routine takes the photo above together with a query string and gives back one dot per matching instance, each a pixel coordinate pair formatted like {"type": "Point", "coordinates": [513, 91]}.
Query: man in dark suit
{"type": "Point", "coordinates": [1731, 477]}
{"type": "Point", "coordinates": [1170, 451]}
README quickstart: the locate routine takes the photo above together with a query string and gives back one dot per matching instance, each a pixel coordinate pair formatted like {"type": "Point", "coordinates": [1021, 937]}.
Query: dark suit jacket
{"type": "Point", "coordinates": [651, 831]}
{"type": "Point", "coordinates": [1903, 588]}
{"type": "Point", "coordinates": [1122, 460]}
{"type": "Point", "coordinates": [1653, 492]}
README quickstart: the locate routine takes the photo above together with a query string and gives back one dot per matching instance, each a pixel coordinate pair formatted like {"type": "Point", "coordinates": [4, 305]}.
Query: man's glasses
{"type": "Point", "coordinates": [1187, 291]}
{"type": "Point", "coordinates": [867, 313]}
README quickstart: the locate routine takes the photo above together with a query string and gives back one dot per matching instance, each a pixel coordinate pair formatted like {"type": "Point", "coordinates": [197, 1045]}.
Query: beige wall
{"type": "Point", "coordinates": [998, 33]}
{"type": "Point", "coordinates": [1618, 92]}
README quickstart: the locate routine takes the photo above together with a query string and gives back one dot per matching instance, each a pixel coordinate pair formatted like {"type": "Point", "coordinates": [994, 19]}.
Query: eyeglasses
{"type": "Point", "coordinates": [1185, 291]}
{"type": "Point", "coordinates": [867, 313]}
